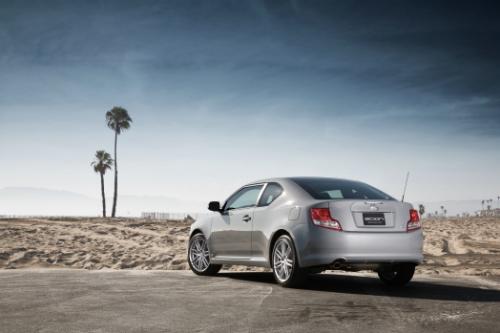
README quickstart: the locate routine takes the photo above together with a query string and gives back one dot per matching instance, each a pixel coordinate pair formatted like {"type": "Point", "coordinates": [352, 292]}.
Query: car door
{"type": "Point", "coordinates": [263, 215]}
{"type": "Point", "coordinates": [231, 234]}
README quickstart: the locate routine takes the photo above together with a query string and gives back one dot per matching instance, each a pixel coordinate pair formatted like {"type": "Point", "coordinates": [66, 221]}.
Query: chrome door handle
{"type": "Point", "coordinates": [246, 218]}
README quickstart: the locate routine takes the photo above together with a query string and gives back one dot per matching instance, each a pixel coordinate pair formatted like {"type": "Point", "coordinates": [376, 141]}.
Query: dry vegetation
{"type": "Point", "coordinates": [463, 245]}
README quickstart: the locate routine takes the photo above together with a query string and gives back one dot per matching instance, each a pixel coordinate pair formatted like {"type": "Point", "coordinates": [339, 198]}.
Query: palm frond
{"type": "Point", "coordinates": [102, 161]}
{"type": "Point", "coordinates": [118, 119]}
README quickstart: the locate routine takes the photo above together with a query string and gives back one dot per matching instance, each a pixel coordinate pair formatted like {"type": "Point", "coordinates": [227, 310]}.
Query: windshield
{"type": "Point", "coordinates": [330, 188]}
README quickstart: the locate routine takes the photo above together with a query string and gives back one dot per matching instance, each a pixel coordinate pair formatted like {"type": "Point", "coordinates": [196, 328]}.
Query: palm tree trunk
{"type": "Point", "coordinates": [113, 212]}
{"type": "Point", "coordinates": [103, 196]}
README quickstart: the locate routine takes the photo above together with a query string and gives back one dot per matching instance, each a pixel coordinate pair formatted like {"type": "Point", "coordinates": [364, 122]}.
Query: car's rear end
{"type": "Point", "coordinates": [363, 232]}
{"type": "Point", "coordinates": [352, 225]}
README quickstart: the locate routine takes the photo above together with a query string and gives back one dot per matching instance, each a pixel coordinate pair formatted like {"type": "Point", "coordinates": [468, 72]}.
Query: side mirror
{"type": "Point", "coordinates": [214, 206]}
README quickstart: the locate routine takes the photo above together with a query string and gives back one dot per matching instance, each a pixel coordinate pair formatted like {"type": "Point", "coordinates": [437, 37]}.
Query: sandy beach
{"type": "Point", "coordinates": [468, 246]}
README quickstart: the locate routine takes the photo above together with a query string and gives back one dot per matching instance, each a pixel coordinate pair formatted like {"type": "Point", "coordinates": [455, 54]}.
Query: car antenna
{"type": "Point", "coordinates": [406, 184]}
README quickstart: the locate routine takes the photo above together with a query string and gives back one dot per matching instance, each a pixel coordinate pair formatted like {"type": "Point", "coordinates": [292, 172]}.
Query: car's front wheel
{"type": "Point", "coordinates": [199, 256]}
{"type": "Point", "coordinates": [397, 275]}
{"type": "Point", "coordinates": [285, 265]}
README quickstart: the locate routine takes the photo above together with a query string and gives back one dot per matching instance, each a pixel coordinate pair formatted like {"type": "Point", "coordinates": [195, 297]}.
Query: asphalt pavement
{"type": "Point", "coordinates": [57, 300]}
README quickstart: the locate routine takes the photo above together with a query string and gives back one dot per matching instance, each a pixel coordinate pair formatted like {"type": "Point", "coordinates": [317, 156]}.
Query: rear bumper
{"type": "Point", "coordinates": [325, 246]}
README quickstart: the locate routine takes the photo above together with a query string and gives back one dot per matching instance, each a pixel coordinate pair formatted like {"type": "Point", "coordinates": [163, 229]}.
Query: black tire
{"type": "Point", "coordinates": [397, 275]}
{"type": "Point", "coordinates": [210, 269]}
{"type": "Point", "coordinates": [298, 276]}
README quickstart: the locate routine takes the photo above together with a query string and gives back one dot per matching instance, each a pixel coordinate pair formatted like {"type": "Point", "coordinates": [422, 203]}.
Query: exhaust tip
{"type": "Point", "coordinates": [338, 263]}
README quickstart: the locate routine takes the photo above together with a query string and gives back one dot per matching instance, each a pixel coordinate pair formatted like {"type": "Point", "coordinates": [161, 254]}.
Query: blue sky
{"type": "Point", "coordinates": [225, 92]}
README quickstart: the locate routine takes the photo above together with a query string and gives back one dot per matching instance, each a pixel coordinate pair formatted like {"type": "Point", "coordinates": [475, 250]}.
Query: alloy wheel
{"type": "Point", "coordinates": [199, 254]}
{"type": "Point", "coordinates": [283, 260]}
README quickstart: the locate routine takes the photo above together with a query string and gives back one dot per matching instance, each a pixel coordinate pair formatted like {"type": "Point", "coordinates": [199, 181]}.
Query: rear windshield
{"type": "Point", "coordinates": [325, 188]}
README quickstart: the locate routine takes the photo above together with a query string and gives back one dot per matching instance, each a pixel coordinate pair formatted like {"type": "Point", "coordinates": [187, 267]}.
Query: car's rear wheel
{"type": "Point", "coordinates": [286, 269]}
{"type": "Point", "coordinates": [397, 275]}
{"type": "Point", "coordinates": [199, 256]}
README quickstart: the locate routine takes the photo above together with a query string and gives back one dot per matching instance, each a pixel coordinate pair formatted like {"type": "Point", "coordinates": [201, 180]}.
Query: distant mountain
{"type": "Point", "coordinates": [133, 205]}
{"type": "Point", "coordinates": [41, 201]}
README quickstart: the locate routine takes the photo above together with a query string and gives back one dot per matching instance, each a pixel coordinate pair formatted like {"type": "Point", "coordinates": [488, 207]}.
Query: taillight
{"type": "Point", "coordinates": [321, 217]}
{"type": "Point", "coordinates": [414, 223]}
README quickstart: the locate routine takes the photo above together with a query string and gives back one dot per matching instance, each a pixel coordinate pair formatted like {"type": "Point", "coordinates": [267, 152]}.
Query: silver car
{"type": "Point", "coordinates": [303, 225]}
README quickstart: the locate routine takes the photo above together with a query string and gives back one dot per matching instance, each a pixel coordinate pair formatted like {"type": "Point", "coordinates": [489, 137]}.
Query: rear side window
{"type": "Point", "coordinates": [244, 198]}
{"type": "Point", "coordinates": [329, 188]}
{"type": "Point", "coordinates": [271, 192]}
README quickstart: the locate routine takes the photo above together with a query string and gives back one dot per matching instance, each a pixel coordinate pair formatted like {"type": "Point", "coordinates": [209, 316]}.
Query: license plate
{"type": "Point", "coordinates": [374, 219]}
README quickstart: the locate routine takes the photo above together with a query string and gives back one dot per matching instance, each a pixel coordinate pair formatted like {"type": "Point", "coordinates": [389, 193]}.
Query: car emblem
{"type": "Point", "coordinates": [373, 208]}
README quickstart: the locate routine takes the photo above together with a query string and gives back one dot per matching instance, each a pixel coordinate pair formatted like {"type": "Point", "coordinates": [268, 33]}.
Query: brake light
{"type": "Point", "coordinates": [321, 217]}
{"type": "Point", "coordinates": [414, 223]}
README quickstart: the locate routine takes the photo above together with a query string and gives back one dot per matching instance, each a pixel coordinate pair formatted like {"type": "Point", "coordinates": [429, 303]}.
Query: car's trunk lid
{"type": "Point", "coordinates": [371, 215]}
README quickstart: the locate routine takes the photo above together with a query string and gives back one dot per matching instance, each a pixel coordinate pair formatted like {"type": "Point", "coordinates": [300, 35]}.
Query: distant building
{"type": "Point", "coordinates": [490, 212]}
{"type": "Point", "coordinates": [164, 216]}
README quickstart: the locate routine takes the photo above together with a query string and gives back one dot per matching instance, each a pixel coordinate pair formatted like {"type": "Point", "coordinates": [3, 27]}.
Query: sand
{"type": "Point", "coordinates": [93, 244]}
{"type": "Point", "coordinates": [469, 246]}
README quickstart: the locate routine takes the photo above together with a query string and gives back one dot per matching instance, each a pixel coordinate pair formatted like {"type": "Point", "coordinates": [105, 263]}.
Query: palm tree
{"type": "Point", "coordinates": [101, 164]}
{"type": "Point", "coordinates": [421, 210]}
{"type": "Point", "coordinates": [488, 204]}
{"type": "Point", "coordinates": [118, 120]}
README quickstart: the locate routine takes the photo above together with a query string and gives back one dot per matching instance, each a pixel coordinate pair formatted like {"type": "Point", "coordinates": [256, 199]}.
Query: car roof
{"type": "Point", "coordinates": [285, 179]}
